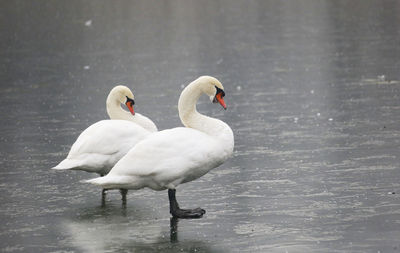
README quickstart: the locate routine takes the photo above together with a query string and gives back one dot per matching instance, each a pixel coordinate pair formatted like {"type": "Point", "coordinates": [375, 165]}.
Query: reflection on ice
{"type": "Point", "coordinates": [103, 230]}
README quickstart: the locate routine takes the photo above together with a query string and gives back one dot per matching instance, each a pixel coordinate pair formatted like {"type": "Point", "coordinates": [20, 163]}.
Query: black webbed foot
{"type": "Point", "coordinates": [188, 213]}
{"type": "Point", "coordinates": [182, 213]}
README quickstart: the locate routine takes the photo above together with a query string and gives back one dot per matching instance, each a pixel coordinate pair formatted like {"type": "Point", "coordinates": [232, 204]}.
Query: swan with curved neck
{"type": "Point", "coordinates": [171, 157]}
{"type": "Point", "coordinates": [100, 146]}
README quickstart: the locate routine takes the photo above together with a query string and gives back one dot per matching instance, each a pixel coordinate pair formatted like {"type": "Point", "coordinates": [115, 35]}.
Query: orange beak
{"type": "Point", "coordinates": [130, 107]}
{"type": "Point", "coordinates": [220, 100]}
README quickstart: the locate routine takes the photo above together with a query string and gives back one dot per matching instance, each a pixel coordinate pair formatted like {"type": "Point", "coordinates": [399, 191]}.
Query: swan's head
{"type": "Point", "coordinates": [214, 89]}
{"type": "Point", "coordinates": [123, 95]}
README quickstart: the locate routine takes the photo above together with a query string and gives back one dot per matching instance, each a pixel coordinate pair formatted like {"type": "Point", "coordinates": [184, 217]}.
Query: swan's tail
{"type": "Point", "coordinates": [68, 164]}
{"type": "Point", "coordinates": [112, 182]}
{"type": "Point", "coordinates": [100, 181]}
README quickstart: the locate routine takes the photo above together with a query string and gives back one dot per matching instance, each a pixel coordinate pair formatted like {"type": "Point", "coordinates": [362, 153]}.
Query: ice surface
{"type": "Point", "coordinates": [317, 133]}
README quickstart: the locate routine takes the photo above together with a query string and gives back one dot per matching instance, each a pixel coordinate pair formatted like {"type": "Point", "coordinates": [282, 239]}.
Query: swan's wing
{"type": "Point", "coordinates": [175, 155]}
{"type": "Point", "coordinates": [101, 145]}
{"type": "Point", "coordinates": [106, 137]}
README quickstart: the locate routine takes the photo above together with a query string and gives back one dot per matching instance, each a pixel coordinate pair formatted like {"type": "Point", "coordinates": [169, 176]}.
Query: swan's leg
{"type": "Point", "coordinates": [104, 191]}
{"type": "Point", "coordinates": [182, 213]}
{"type": "Point", "coordinates": [103, 198]}
{"type": "Point", "coordinates": [123, 194]}
{"type": "Point", "coordinates": [174, 229]}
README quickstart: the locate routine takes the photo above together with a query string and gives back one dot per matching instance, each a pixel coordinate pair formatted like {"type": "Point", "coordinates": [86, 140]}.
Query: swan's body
{"type": "Point", "coordinates": [179, 155]}
{"type": "Point", "coordinates": [183, 155]}
{"type": "Point", "coordinates": [101, 145]}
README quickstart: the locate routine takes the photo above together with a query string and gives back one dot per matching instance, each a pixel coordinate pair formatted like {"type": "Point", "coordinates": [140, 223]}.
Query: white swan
{"type": "Point", "coordinates": [179, 155]}
{"type": "Point", "coordinates": [100, 146]}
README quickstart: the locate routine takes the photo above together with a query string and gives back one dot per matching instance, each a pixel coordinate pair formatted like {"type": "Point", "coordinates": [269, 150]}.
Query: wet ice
{"type": "Point", "coordinates": [312, 96]}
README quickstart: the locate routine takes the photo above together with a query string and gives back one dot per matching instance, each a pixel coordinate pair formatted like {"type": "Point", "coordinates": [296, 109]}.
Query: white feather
{"type": "Point", "coordinates": [100, 146]}
{"type": "Point", "coordinates": [175, 156]}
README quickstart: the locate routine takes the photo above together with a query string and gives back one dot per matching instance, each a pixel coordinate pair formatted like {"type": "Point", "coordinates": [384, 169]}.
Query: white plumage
{"type": "Point", "coordinates": [102, 144]}
{"type": "Point", "coordinates": [179, 155]}
{"type": "Point", "coordinates": [184, 154]}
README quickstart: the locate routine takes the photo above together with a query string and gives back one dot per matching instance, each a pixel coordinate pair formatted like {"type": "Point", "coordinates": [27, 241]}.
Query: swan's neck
{"type": "Point", "coordinates": [144, 122]}
{"type": "Point", "coordinates": [191, 118]}
{"type": "Point", "coordinates": [115, 111]}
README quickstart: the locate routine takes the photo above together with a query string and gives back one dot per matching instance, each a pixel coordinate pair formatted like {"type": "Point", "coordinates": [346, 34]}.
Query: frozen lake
{"type": "Point", "coordinates": [313, 96]}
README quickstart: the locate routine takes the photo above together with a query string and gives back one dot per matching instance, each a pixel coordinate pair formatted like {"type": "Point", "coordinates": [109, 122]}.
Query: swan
{"type": "Point", "coordinates": [175, 156]}
{"type": "Point", "coordinates": [99, 147]}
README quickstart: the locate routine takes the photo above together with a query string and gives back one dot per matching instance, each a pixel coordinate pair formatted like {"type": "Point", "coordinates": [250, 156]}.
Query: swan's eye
{"type": "Point", "coordinates": [219, 97]}
{"type": "Point", "coordinates": [129, 103]}
{"type": "Point", "coordinates": [220, 91]}
{"type": "Point", "coordinates": [129, 100]}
